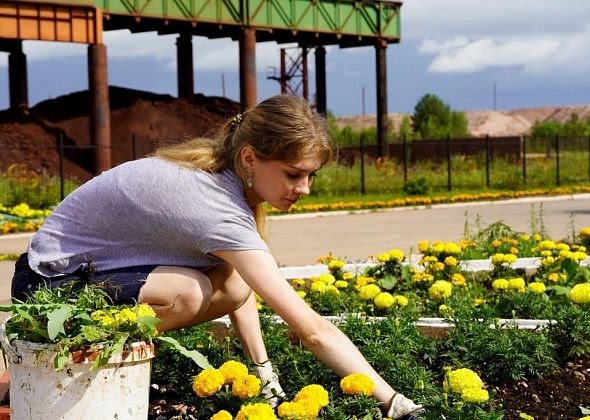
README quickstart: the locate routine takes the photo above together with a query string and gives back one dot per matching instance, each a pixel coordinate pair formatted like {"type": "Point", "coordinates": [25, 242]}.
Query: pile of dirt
{"type": "Point", "coordinates": [152, 119]}
{"type": "Point", "coordinates": [514, 122]}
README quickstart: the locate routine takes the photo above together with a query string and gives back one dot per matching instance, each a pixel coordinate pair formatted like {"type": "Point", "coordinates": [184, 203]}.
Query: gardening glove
{"type": "Point", "coordinates": [271, 388]}
{"type": "Point", "coordinates": [403, 408]}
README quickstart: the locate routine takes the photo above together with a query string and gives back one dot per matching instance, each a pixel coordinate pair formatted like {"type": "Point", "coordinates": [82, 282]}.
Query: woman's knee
{"type": "Point", "coordinates": [229, 286]}
{"type": "Point", "coordinates": [178, 291]}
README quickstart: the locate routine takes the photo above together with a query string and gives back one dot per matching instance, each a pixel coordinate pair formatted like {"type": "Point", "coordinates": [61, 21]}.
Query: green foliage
{"type": "Point", "coordinates": [433, 119]}
{"type": "Point", "coordinates": [416, 186]}
{"type": "Point", "coordinates": [40, 192]}
{"type": "Point", "coordinates": [570, 331]}
{"type": "Point", "coordinates": [573, 127]}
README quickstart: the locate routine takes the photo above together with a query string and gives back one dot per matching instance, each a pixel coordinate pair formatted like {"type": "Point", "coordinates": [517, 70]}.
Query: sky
{"type": "Point", "coordinates": [473, 54]}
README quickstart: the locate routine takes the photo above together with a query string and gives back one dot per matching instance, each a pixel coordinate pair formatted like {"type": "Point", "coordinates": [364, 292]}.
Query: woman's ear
{"type": "Point", "coordinates": [247, 158]}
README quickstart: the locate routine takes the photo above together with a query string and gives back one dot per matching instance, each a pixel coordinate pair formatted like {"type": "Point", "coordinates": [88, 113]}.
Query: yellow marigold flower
{"type": "Point", "coordinates": [347, 276]}
{"type": "Point", "coordinates": [424, 245]}
{"type": "Point", "coordinates": [311, 408]}
{"type": "Point", "coordinates": [298, 284]}
{"type": "Point", "coordinates": [524, 237]}
{"type": "Point", "coordinates": [332, 290]}
{"type": "Point", "coordinates": [546, 253]}
{"type": "Point", "coordinates": [563, 247]}
{"type": "Point", "coordinates": [554, 277]}
{"type": "Point", "coordinates": [396, 254]}
{"type": "Point", "coordinates": [208, 382]}
{"type": "Point", "coordinates": [547, 244]}
{"type": "Point", "coordinates": [441, 289]}
{"type": "Point", "coordinates": [429, 259]}
{"type": "Point", "coordinates": [422, 276]}
{"type": "Point", "coordinates": [460, 379]}
{"type": "Point", "coordinates": [144, 309]}
{"type": "Point", "coordinates": [335, 265]}
{"type": "Point", "coordinates": [451, 261]}
{"type": "Point", "coordinates": [579, 256]}
{"type": "Point", "coordinates": [384, 300]}
{"type": "Point", "coordinates": [536, 237]}
{"type": "Point", "coordinates": [585, 231]}
{"type": "Point", "coordinates": [357, 384]}
{"type": "Point", "coordinates": [438, 247]}
{"type": "Point", "coordinates": [496, 243]}
{"type": "Point", "coordinates": [221, 415]}
{"type": "Point", "coordinates": [258, 411]}
{"type": "Point", "coordinates": [369, 292]}
{"type": "Point", "coordinates": [580, 293]}
{"type": "Point", "coordinates": [401, 300]}
{"type": "Point", "coordinates": [247, 386]}
{"type": "Point", "coordinates": [452, 248]}
{"type": "Point", "coordinates": [341, 284]}
{"type": "Point", "coordinates": [327, 278]}
{"type": "Point", "coordinates": [445, 310]}
{"type": "Point", "coordinates": [565, 254]}
{"type": "Point", "coordinates": [438, 266]}
{"type": "Point", "coordinates": [292, 411]}
{"type": "Point", "coordinates": [126, 315]}
{"type": "Point", "coordinates": [313, 392]}
{"type": "Point", "coordinates": [517, 284]}
{"type": "Point", "coordinates": [318, 287]}
{"type": "Point", "coordinates": [475, 395]}
{"type": "Point", "coordinates": [232, 370]}
{"type": "Point", "coordinates": [547, 261]}
{"type": "Point", "coordinates": [582, 248]}
{"type": "Point", "coordinates": [301, 294]}
{"type": "Point", "coordinates": [537, 287]}
{"type": "Point", "coordinates": [513, 250]}
{"type": "Point", "coordinates": [478, 301]}
{"type": "Point", "coordinates": [384, 257]}
{"type": "Point", "coordinates": [458, 279]}
{"type": "Point", "coordinates": [500, 284]}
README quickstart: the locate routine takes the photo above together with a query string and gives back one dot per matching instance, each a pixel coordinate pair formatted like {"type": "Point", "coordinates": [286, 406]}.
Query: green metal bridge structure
{"type": "Point", "coordinates": [312, 24]}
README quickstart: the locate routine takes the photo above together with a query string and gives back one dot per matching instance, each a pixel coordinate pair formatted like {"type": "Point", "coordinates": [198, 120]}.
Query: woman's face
{"type": "Point", "coordinates": [279, 183]}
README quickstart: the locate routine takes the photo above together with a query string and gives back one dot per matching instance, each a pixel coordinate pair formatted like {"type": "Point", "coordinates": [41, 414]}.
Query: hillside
{"type": "Point", "coordinates": [494, 123]}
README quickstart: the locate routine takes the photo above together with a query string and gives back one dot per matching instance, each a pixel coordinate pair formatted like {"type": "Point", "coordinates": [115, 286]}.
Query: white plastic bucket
{"type": "Point", "coordinates": [118, 390]}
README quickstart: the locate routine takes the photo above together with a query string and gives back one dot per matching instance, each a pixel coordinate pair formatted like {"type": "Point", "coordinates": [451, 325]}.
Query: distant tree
{"type": "Point", "coordinates": [574, 127]}
{"type": "Point", "coordinates": [546, 129]}
{"type": "Point", "coordinates": [405, 128]}
{"type": "Point", "coordinates": [434, 119]}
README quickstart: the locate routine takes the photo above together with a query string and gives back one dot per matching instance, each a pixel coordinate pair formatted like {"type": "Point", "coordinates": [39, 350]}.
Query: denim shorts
{"type": "Point", "coordinates": [121, 284]}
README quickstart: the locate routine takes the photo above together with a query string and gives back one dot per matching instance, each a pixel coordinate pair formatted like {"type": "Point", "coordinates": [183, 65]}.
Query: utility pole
{"type": "Point", "coordinates": [363, 99]}
{"type": "Point", "coordinates": [494, 95]}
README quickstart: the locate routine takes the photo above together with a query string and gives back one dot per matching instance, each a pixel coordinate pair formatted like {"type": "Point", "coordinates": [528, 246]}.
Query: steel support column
{"type": "Point", "coordinates": [184, 61]}
{"type": "Point", "coordinates": [17, 76]}
{"type": "Point", "coordinates": [381, 64]}
{"type": "Point", "coordinates": [247, 68]}
{"type": "Point", "coordinates": [100, 118]}
{"type": "Point", "coordinates": [320, 80]}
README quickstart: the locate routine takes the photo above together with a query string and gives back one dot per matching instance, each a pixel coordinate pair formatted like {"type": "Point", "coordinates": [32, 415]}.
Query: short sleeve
{"type": "Point", "coordinates": [236, 233]}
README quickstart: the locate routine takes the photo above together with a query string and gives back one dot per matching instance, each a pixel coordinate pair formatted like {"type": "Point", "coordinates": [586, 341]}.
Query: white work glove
{"type": "Point", "coordinates": [271, 388]}
{"type": "Point", "coordinates": [402, 407]}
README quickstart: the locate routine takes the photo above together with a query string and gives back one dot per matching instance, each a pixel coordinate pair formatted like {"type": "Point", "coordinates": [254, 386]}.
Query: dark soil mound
{"type": "Point", "coordinates": [150, 118]}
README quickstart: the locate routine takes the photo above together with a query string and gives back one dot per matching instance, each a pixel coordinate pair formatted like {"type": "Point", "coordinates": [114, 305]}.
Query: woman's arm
{"type": "Point", "coordinates": [324, 340]}
{"type": "Point", "coordinates": [247, 327]}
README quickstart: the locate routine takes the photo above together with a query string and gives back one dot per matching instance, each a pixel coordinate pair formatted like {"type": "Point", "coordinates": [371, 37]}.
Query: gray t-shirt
{"type": "Point", "coordinates": [146, 212]}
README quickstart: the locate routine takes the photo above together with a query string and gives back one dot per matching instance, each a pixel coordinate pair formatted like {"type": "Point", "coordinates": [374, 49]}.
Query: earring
{"type": "Point", "coordinates": [249, 181]}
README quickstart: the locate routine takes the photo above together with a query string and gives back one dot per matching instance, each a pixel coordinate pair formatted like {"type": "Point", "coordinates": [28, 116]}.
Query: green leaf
{"type": "Point", "coordinates": [584, 410]}
{"type": "Point", "coordinates": [108, 350]}
{"type": "Point", "coordinates": [92, 333]}
{"type": "Point", "coordinates": [194, 355]}
{"type": "Point", "coordinates": [56, 319]}
{"type": "Point", "coordinates": [388, 282]}
{"type": "Point", "coordinates": [560, 290]}
{"type": "Point", "coordinates": [62, 357]}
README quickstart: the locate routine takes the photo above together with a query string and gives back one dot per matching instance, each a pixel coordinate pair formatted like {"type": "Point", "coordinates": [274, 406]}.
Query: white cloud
{"type": "Point", "coordinates": [483, 53]}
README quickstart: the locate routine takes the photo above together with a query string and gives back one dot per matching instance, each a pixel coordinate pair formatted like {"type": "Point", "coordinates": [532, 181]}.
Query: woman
{"type": "Point", "coordinates": [183, 232]}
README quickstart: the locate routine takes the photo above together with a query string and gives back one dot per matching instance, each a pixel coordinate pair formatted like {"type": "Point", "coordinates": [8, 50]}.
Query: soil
{"type": "Point", "coordinates": [31, 138]}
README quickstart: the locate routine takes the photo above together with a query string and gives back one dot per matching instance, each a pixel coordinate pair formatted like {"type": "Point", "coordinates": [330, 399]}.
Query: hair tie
{"type": "Point", "coordinates": [236, 120]}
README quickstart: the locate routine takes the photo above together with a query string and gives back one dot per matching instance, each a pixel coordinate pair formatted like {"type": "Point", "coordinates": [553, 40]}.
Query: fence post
{"type": "Point", "coordinates": [488, 161]}
{"type": "Point", "coordinates": [60, 136]}
{"type": "Point", "coordinates": [557, 159]}
{"type": "Point", "coordinates": [133, 147]}
{"type": "Point", "coordinates": [405, 157]}
{"type": "Point", "coordinates": [362, 149]}
{"type": "Point", "coordinates": [589, 157]}
{"type": "Point", "coordinates": [523, 142]}
{"type": "Point", "coordinates": [449, 185]}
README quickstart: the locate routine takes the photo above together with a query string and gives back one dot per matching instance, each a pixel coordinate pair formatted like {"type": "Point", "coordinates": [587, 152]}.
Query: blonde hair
{"type": "Point", "coordinates": [281, 128]}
